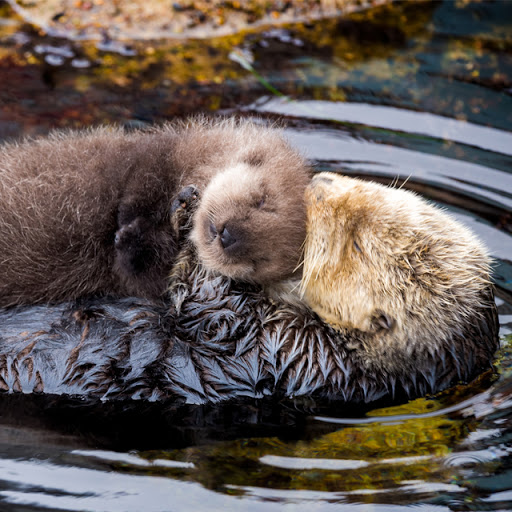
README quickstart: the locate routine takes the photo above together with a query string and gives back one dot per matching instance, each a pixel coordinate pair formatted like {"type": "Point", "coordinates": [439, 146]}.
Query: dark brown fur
{"type": "Point", "coordinates": [90, 212]}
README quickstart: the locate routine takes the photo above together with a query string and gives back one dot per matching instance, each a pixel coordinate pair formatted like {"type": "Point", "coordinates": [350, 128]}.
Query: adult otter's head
{"type": "Point", "coordinates": [251, 220]}
{"type": "Point", "coordinates": [386, 262]}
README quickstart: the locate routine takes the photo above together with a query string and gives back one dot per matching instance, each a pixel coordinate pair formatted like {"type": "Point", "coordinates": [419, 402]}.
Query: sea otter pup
{"type": "Point", "coordinates": [90, 212]}
{"type": "Point", "coordinates": [221, 339]}
{"type": "Point", "coordinates": [387, 263]}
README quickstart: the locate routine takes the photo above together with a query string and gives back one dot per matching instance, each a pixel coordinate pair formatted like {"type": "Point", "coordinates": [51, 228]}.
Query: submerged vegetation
{"type": "Point", "coordinates": [63, 82]}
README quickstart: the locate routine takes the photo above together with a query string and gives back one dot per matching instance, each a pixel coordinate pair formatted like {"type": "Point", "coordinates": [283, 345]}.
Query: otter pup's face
{"type": "Point", "coordinates": [383, 260]}
{"type": "Point", "coordinates": [251, 222]}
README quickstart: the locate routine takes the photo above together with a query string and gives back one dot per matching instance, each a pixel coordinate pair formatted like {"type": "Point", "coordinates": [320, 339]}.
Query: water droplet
{"type": "Point", "coordinates": [54, 60]}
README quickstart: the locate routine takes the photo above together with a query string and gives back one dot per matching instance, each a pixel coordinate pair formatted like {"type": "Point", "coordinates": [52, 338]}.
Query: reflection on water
{"type": "Point", "coordinates": [395, 119]}
{"type": "Point", "coordinates": [417, 93]}
{"type": "Point", "coordinates": [366, 157]}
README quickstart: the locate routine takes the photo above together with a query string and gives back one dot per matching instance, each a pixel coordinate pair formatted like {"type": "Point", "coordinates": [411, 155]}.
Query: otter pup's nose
{"type": "Point", "coordinates": [226, 238]}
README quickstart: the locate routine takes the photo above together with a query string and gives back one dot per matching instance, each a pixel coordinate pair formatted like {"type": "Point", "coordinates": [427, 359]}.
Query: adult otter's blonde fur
{"type": "Point", "coordinates": [383, 261]}
{"type": "Point", "coordinates": [90, 212]}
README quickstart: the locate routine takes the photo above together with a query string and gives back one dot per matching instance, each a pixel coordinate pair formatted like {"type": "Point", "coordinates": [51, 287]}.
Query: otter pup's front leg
{"type": "Point", "coordinates": [182, 210]}
{"type": "Point", "coordinates": [149, 237]}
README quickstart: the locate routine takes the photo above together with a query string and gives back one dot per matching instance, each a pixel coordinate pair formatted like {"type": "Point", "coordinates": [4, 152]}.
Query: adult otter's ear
{"type": "Point", "coordinates": [381, 321]}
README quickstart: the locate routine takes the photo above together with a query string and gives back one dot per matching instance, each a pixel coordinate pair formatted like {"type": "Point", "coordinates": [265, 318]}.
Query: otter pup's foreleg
{"type": "Point", "coordinates": [182, 210]}
{"type": "Point", "coordinates": [149, 237]}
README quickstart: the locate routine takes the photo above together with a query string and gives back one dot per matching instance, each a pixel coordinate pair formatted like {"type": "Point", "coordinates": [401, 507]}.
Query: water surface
{"type": "Point", "coordinates": [417, 94]}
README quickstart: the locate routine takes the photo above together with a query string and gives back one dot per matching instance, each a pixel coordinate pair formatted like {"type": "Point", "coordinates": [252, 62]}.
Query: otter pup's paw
{"type": "Point", "coordinates": [183, 207]}
{"type": "Point", "coordinates": [133, 245]}
{"type": "Point", "coordinates": [186, 199]}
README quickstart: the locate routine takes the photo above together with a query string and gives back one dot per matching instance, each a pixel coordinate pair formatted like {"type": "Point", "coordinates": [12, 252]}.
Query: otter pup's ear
{"type": "Point", "coordinates": [381, 321]}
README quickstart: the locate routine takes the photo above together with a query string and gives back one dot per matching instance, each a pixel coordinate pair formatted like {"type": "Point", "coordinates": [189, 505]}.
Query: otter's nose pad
{"type": "Point", "coordinates": [226, 238]}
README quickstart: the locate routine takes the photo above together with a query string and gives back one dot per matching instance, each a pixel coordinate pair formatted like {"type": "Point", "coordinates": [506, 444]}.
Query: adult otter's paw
{"type": "Point", "coordinates": [183, 207]}
{"type": "Point", "coordinates": [381, 321]}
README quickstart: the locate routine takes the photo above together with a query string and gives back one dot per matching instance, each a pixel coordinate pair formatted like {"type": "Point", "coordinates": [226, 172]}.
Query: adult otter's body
{"type": "Point", "coordinates": [90, 212]}
{"type": "Point", "coordinates": [222, 339]}
{"type": "Point", "coordinates": [387, 263]}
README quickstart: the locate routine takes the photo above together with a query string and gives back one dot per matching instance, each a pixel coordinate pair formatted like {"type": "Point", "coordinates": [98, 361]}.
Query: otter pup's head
{"type": "Point", "coordinates": [251, 220]}
{"type": "Point", "coordinates": [383, 260]}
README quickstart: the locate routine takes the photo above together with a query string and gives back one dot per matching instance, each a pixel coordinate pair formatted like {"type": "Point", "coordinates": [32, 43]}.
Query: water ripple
{"type": "Point", "coordinates": [393, 118]}
{"type": "Point", "coordinates": [454, 175]}
{"type": "Point", "coordinates": [77, 489]}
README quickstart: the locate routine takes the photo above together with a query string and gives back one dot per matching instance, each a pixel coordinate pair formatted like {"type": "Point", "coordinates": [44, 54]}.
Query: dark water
{"type": "Point", "coordinates": [421, 93]}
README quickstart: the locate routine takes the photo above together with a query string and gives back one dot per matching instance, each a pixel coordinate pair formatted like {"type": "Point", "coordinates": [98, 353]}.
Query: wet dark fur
{"type": "Point", "coordinates": [85, 213]}
{"type": "Point", "coordinates": [220, 340]}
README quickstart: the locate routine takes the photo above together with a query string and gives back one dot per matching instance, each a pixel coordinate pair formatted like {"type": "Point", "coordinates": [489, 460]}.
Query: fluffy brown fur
{"type": "Point", "coordinates": [385, 262]}
{"type": "Point", "coordinates": [90, 212]}
{"type": "Point", "coordinates": [251, 221]}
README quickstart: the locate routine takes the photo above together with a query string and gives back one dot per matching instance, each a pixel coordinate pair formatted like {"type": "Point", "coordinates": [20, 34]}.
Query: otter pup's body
{"type": "Point", "coordinates": [90, 212]}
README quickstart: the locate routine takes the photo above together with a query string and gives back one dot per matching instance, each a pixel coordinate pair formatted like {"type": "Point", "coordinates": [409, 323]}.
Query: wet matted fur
{"type": "Point", "coordinates": [220, 340]}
